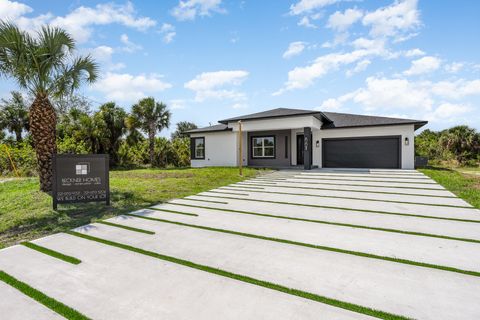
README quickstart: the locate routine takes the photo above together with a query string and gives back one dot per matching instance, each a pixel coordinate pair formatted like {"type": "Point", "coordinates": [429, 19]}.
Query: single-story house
{"type": "Point", "coordinates": [307, 138]}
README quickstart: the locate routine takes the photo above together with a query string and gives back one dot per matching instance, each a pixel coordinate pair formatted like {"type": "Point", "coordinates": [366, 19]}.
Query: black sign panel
{"type": "Point", "coordinates": [80, 178]}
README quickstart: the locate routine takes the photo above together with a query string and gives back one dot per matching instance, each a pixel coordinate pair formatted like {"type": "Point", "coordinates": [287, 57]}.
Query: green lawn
{"type": "Point", "coordinates": [26, 213]}
{"type": "Point", "coordinates": [463, 182]}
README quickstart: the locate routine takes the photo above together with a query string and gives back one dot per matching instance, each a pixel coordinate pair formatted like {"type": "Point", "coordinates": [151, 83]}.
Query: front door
{"type": "Point", "coordinates": [300, 148]}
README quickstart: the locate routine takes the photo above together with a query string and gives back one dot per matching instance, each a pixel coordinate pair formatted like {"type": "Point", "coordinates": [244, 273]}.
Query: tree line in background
{"type": "Point", "coordinates": [130, 139]}
{"type": "Point", "coordinates": [459, 145]}
{"type": "Point", "coordinates": [47, 67]}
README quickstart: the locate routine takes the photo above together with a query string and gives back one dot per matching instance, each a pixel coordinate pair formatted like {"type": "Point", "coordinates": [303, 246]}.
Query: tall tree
{"type": "Point", "coordinates": [14, 115]}
{"type": "Point", "coordinates": [110, 126]}
{"type": "Point", "coordinates": [44, 65]}
{"type": "Point", "coordinates": [151, 117]}
{"type": "Point", "coordinates": [182, 128]}
{"type": "Point", "coordinates": [462, 142]}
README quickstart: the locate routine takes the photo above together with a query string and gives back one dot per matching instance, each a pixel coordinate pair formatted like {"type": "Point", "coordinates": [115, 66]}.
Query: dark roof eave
{"type": "Point", "coordinates": [226, 121]}
{"type": "Point", "coordinates": [206, 131]}
{"type": "Point", "coordinates": [418, 125]}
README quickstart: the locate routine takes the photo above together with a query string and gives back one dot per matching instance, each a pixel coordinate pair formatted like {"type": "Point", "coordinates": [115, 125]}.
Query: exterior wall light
{"type": "Point", "coordinates": [317, 144]}
{"type": "Point", "coordinates": [407, 142]}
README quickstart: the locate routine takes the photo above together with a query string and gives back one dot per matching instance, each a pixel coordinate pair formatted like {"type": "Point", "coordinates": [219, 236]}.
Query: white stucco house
{"type": "Point", "coordinates": [307, 138]}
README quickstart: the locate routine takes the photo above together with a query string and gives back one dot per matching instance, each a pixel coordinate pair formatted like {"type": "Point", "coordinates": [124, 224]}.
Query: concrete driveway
{"type": "Point", "coordinates": [329, 244]}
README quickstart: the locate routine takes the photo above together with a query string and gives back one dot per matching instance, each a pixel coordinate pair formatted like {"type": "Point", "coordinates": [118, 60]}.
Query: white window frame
{"type": "Point", "coordinates": [263, 147]}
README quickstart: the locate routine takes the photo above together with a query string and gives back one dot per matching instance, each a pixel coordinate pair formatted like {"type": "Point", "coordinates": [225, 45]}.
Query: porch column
{"type": "Point", "coordinates": [307, 148]}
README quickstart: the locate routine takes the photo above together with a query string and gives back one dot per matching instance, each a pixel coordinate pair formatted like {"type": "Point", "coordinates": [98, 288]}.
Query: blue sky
{"type": "Point", "coordinates": [212, 59]}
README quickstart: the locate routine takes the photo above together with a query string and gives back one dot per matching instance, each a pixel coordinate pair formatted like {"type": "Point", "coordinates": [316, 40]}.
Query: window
{"type": "Point", "coordinates": [197, 148]}
{"type": "Point", "coordinates": [263, 147]}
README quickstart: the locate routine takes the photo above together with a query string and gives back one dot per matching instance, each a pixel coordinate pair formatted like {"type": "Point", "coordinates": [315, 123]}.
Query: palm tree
{"type": "Point", "coordinates": [45, 66]}
{"type": "Point", "coordinates": [182, 128]}
{"type": "Point", "coordinates": [150, 117]}
{"type": "Point", "coordinates": [109, 127]}
{"type": "Point", "coordinates": [462, 142]}
{"type": "Point", "coordinates": [14, 115]}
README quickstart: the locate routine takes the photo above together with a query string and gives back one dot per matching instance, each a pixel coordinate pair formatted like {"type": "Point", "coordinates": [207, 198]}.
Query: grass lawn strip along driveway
{"type": "Point", "coordinates": [421, 234]}
{"type": "Point", "coordinates": [42, 298]}
{"type": "Point", "coordinates": [51, 253]}
{"type": "Point", "coordinates": [329, 301]}
{"type": "Point", "coordinates": [309, 245]}
{"type": "Point", "coordinates": [342, 197]}
{"type": "Point", "coordinates": [342, 208]}
{"type": "Point", "coordinates": [116, 225]}
{"type": "Point", "coordinates": [248, 185]}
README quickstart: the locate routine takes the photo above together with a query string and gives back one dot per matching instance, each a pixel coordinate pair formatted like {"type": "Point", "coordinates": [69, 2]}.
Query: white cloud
{"type": "Point", "coordinates": [456, 89]}
{"type": "Point", "coordinates": [414, 53]}
{"type": "Point", "coordinates": [240, 106]}
{"type": "Point", "coordinates": [448, 112]}
{"type": "Point", "coordinates": [307, 6]}
{"type": "Point", "coordinates": [176, 104]}
{"type": "Point", "coordinates": [392, 94]}
{"type": "Point", "coordinates": [10, 10]}
{"type": "Point", "coordinates": [397, 18]}
{"type": "Point", "coordinates": [294, 48]}
{"type": "Point", "coordinates": [79, 22]}
{"type": "Point", "coordinates": [189, 9]}
{"type": "Point", "coordinates": [129, 88]}
{"type": "Point", "coordinates": [212, 85]}
{"type": "Point", "coordinates": [330, 105]}
{"type": "Point", "coordinates": [423, 65]}
{"type": "Point", "coordinates": [417, 99]}
{"type": "Point", "coordinates": [342, 21]}
{"type": "Point", "coordinates": [303, 77]}
{"type": "Point", "coordinates": [168, 32]}
{"type": "Point", "coordinates": [454, 67]}
{"type": "Point", "coordinates": [104, 54]}
{"type": "Point", "coordinates": [360, 66]}
{"type": "Point", "coordinates": [305, 22]}
{"type": "Point", "coordinates": [129, 45]}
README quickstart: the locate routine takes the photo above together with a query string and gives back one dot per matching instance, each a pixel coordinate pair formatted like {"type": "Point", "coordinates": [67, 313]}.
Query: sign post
{"type": "Point", "coordinates": [80, 178]}
{"type": "Point", "coordinates": [240, 142]}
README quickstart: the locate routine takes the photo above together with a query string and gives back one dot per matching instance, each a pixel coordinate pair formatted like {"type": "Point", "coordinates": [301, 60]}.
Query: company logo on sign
{"type": "Point", "coordinates": [82, 168]}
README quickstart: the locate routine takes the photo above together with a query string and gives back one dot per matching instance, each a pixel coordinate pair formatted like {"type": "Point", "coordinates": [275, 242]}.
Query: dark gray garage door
{"type": "Point", "coordinates": [367, 152]}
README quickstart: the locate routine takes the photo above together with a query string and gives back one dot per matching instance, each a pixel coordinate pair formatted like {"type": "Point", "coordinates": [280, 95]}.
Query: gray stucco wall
{"type": "Point", "coordinates": [280, 159]}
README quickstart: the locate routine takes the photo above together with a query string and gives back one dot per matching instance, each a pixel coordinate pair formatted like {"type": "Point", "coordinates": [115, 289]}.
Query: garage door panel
{"type": "Point", "coordinates": [369, 152]}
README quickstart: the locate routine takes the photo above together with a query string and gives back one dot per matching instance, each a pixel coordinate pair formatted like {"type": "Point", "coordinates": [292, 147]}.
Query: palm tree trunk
{"type": "Point", "coordinates": [42, 126]}
{"type": "Point", "coordinates": [151, 140]}
{"type": "Point", "coordinates": [18, 135]}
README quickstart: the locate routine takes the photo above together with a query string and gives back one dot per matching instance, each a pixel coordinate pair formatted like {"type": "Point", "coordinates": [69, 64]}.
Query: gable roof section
{"type": "Point", "coordinates": [217, 127]}
{"type": "Point", "coordinates": [275, 113]}
{"type": "Point", "coordinates": [346, 120]}
{"type": "Point", "coordinates": [330, 120]}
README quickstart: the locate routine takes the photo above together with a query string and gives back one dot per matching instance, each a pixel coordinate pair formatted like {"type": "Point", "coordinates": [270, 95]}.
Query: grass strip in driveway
{"type": "Point", "coordinates": [340, 208]}
{"type": "Point", "coordinates": [173, 211]}
{"type": "Point", "coordinates": [318, 247]}
{"type": "Point", "coordinates": [51, 253]}
{"type": "Point", "coordinates": [42, 298]}
{"type": "Point", "coordinates": [413, 233]}
{"type": "Point", "coordinates": [348, 198]}
{"type": "Point", "coordinates": [212, 201]}
{"type": "Point", "coordinates": [342, 184]}
{"type": "Point", "coordinates": [384, 181]}
{"type": "Point", "coordinates": [299, 293]}
{"type": "Point", "coordinates": [116, 225]}
{"type": "Point", "coordinates": [241, 185]}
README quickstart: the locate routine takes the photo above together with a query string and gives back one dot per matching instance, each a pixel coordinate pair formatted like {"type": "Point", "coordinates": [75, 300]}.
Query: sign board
{"type": "Point", "coordinates": [80, 178]}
